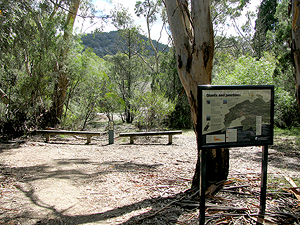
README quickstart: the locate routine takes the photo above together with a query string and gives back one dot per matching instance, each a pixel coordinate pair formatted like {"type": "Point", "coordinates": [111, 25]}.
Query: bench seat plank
{"type": "Point", "coordinates": [88, 134]}
{"type": "Point", "coordinates": [151, 133]}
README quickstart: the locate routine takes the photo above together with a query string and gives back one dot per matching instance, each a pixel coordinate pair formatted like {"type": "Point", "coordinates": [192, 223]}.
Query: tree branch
{"type": "Point", "coordinates": [3, 97]}
{"type": "Point", "coordinates": [237, 28]}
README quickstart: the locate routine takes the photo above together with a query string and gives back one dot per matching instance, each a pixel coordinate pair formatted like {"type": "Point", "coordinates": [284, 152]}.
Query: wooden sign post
{"type": "Point", "coordinates": [110, 132]}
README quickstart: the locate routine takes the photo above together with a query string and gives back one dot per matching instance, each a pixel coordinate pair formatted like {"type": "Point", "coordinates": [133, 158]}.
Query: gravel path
{"type": "Point", "coordinates": [68, 182]}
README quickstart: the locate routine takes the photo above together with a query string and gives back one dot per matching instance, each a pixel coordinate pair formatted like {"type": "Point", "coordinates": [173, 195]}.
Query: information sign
{"type": "Point", "coordinates": [231, 116]}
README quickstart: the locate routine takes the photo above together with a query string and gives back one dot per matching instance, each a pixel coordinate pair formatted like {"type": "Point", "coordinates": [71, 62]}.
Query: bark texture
{"type": "Point", "coordinates": [62, 82]}
{"type": "Point", "coordinates": [192, 31]}
{"type": "Point", "coordinates": [296, 44]}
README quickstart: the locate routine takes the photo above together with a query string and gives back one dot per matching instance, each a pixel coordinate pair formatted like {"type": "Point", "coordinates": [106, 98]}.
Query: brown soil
{"type": "Point", "coordinates": [68, 182]}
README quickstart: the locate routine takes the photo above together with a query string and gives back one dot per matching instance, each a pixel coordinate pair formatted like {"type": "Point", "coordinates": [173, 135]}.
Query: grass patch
{"type": "Point", "coordinates": [277, 183]}
{"type": "Point", "coordinates": [293, 131]}
{"type": "Point", "coordinates": [188, 132]}
{"type": "Point", "coordinates": [279, 186]}
{"type": "Point", "coordinates": [287, 138]}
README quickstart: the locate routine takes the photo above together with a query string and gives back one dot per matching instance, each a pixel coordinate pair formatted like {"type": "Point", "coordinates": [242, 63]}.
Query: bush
{"type": "Point", "coordinates": [150, 109]}
{"type": "Point", "coordinates": [180, 118]}
{"type": "Point", "coordinates": [247, 70]}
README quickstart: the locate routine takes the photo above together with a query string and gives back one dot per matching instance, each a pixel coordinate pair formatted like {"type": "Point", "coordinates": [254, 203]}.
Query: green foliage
{"type": "Point", "coordinates": [266, 21]}
{"type": "Point", "coordinates": [286, 110]}
{"type": "Point", "coordinates": [112, 104]}
{"type": "Point", "coordinates": [151, 109]}
{"type": "Point", "coordinates": [170, 84]}
{"type": "Point", "coordinates": [180, 118]}
{"type": "Point", "coordinates": [222, 11]}
{"type": "Point", "coordinates": [126, 69]}
{"type": "Point", "coordinates": [88, 89]}
{"type": "Point", "coordinates": [28, 58]}
{"type": "Point", "coordinates": [31, 59]}
{"type": "Point", "coordinates": [247, 70]}
{"type": "Point", "coordinates": [279, 37]}
{"type": "Point", "coordinates": [293, 131]}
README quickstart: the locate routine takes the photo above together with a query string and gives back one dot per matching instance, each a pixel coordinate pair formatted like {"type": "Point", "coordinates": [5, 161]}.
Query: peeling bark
{"type": "Point", "coordinates": [206, 52]}
{"type": "Point", "coordinates": [192, 33]}
{"type": "Point", "coordinates": [179, 61]}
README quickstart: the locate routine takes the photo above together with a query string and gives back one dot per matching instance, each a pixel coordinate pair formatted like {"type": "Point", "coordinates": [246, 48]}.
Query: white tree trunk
{"type": "Point", "coordinates": [62, 83]}
{"type": "Point", "coordinates": [192, 32]}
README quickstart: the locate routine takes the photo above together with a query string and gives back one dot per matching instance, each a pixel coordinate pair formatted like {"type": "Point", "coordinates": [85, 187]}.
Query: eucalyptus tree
{"type": "Point", "coordinates": [225, 15]}
{"type": "Point", "coordinates": [35, 40]}
{"type": "Point", "coordinates": [296, 44]}
{"type": "Point", "coordinates": [87, 88]}
{"type": "Point", "coordinates": [279, 39]}
{"type": "Point", "coordinates": [127, 70]}
{"type": "Point", "coordinates": [151, 10]}
{"type": "Point", "coordinates": [192, 31]}
{"type": "Point", "coordinates": [266, 21]}
{"type": "Point", "coordinates": [61, 82]}
{"type": "Point", "coordinates": [127, 76]}
{"type": "Point", "coordinates": [28, 47]}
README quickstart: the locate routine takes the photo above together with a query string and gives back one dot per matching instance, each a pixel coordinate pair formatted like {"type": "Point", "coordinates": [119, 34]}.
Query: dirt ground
{"type": "Point", "coordinates": [66, 181]}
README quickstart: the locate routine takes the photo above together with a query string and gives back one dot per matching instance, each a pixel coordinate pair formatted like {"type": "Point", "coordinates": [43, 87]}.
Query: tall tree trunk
{"type": "Point", "coordinates": [296, 44]}
{"type": "Point", "coordinates": [193, 38]}
{"type": "Point", "coordinates": [62, 82]}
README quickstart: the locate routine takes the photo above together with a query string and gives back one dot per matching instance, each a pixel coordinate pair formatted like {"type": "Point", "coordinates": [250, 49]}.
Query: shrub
{"type": "Point", "coordinates": [150, 109]}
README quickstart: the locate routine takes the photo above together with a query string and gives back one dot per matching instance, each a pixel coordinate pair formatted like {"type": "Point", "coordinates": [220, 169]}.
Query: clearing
{"type": "Point", "coordinates": [67, 182]}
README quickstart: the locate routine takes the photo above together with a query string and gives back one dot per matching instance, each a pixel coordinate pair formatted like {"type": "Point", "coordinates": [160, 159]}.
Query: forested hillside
{"type": "Point", "coordinates": [108, 43]}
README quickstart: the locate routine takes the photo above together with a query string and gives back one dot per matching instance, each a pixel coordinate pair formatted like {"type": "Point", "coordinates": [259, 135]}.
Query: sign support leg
{"type": "Point", "coordinates": [263, 191]}
{"type": "Point", "coordinates": [202, 186]}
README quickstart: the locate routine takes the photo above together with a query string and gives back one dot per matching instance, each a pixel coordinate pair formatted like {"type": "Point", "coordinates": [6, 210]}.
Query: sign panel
{"type": "Point", "coordinates": [231, 116]}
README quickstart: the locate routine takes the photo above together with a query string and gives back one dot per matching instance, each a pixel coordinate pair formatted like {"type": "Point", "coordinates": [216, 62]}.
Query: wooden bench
{"type": "Point", "coordinates": [153, 133]}
{"type": "Point", "coordinates": [88, 134]}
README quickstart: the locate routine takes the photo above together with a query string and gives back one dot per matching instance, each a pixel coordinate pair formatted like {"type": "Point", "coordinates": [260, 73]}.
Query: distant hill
{"type": "Point", "coordinates": [105, 43]}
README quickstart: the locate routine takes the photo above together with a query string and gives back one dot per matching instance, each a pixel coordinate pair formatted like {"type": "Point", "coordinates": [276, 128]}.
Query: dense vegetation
{"type": "Point", "coordinates": [106, 43]}
{"type": "Point", "coordinates": [122, 73]}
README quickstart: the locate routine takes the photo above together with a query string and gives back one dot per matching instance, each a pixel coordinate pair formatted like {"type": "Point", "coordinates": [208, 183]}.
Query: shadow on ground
{"type": "Point", "coordinates": [161, 212]}
{"type": "Point", "coordinates": [153, 211]}
{"type": "Point", "coordinates": [10, 145]}
{"type": "Point", "coordinates": [284, 155]}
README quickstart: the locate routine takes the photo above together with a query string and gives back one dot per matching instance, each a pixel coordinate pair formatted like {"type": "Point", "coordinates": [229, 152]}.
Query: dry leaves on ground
{"type": "Point", "coordinates": [68, 182]}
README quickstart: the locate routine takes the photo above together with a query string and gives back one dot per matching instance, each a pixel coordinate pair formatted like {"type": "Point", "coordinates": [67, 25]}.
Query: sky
{"type": "Point", "coordinates": [107, 5]}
